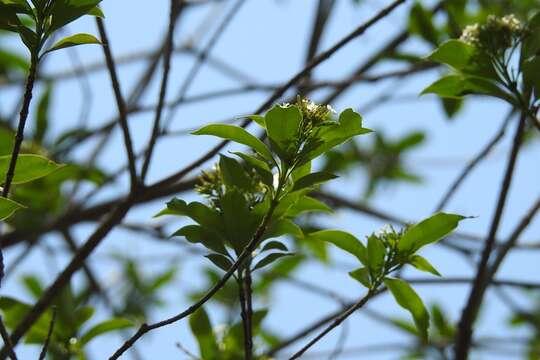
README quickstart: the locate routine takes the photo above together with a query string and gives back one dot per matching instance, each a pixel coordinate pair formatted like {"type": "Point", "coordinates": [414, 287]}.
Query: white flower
{"type": "Point", "coordinates": [471, 34]}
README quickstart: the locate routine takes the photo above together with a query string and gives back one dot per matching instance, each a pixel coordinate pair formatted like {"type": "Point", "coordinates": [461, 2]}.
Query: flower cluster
{"type": "Point", "coordinates": [314, 114]}
{"type": "Point", "coordinates": [213, 187]}
{"type": "Point", "coordinates": [495, 36]}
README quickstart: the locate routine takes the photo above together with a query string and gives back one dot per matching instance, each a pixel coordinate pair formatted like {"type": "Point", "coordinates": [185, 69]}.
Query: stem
{"type": "Point", "coordinates": [481, 281]}
{"type": "Point", "coordinates": [335, 323]}
{"type": "Point", "coordinates": [244, 314]}
{"type": "Point", "coordinates": [249, 311]}
{"type": "Point", "coordinates": [19, 136]}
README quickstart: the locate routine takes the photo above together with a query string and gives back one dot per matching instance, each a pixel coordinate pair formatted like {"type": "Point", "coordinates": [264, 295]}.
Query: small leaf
{"type": "Point", "coordinates": [74, 40]}
{"type": "Point", "coordinates": [28, 168]}
{"type": "Point", "coordinates": [8, 207]}
{"type": "Point", "coordinates": [197, 234]}
{"type": "Point", "coordinates": [274, 245]}
{"type": "Point", "coordinates": [428, 231]}
{"type": "Point", "coordinates": [220, 261]}
{"type": "Point", "coordinates": [342, 240]}
{"type": "Point", "coordinates": [312, 179]}
{"type": "Point", "coordinates": [236, 134]}
{"type": "Point", "coordinates": [361, 275]}
{"type": "Point", "coordinates": [259, 119]}
{"type": "Point", "coordinates": [202, 330]}
{"type": "Point", "coordinates": [408, 299]}
{"type": "Point", "coordinates": [267, 260]}
{"type": "Point", "coordinates": [307, 204]}
{"type": "Point", "coordinates": [375, 256]}
{"type": "Point", "coordinates": [105, 327]}
{"type": "Point", "coordinates": [423, 265]}
{"type": "Point", "coordinates": [65, 11]}
{"type": "Point", "coordinates": [282, 126]}
{"type": "Point", "coordinates": [97, 12]}
{"type": "Point", "coordinates": [233, 174]}
{"type": "Point", "coordinates": [454, 53]}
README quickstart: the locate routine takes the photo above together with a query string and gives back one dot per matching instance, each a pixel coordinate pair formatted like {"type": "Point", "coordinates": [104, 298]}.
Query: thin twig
{"type": "Point", "coordinates": [7, 341]}
{"type": "Point", "coordinates": [474, 162]}
{"type": "Point", "coordinates": [169, 43]}
{"type": "Point", "coordinates": [43, 353]}
{"type": "Point", "coordinates": [464, 331]}
{"type": "Point", "coordinates": [120, 102]}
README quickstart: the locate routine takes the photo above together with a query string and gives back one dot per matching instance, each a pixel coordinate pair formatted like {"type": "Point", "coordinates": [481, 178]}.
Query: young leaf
{"type": "Point", "coordinates": [362, 276]}
{"type": "Point", "coordinates": [205, 236]}
{"type": "Point", "coordinates": [267, 260]}
{"type": "Point", "coordinates": [348, 126]}
{"type": "Point", "coordinates": [428, 231]}
{"type": "Point", "coordinates": [342, 240]}
{"type": "Point", "coordinates": [220, 261]}
{"type": "Point", "coordinates": [307, 204]}
{"type": "Point", "coordinates": [454, 53]}
{"type": "Point", "coordinates": [202, 330]}
{"type": "Point", "coordinates": [283, 125]}
{"type": "Point", "coordinates": [423, 265]}
{"type": "Point", "coordinates": [105, 327]}
{"type": "Point", "coordinates": [233, 173]}
{"type": "Point", "coordinates": [8, 18]}
{"type": "Point", "coordinates": [408, 299]}
{"type": "Point", "coordinates": [8, 208]}
{"type": "Point", "coordinates": [74, 40]}
{"type": "Point", "coordinates": [236, 134]}
{"type": "Point", "coordinates": [375, 255]}
{"type": "Point", "coordinates": [29, 168]}
{"type": "Point", "coordinates": [274, 245]}
{"type": "Point", "coordinates": [65, 11]}
{"type": "Point", "coordinates": [312, 180]}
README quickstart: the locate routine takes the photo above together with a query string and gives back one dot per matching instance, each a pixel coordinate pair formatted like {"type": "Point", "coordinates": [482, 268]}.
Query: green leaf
{"type": "Point", "coordinates": [202, 330]}
{"type": "Point", "coordinates": [423, 265]}
{"type": "Point", "coordinates": [274, 245]}
{"type": "Point", "coordinates": [8, 207]}
{"type": "Point", "coordinates": [362, 276]}
{"type": "Point", "coordinates": [105, 327]}
{"type": "Point", "coordinates": [258, 119]}
{"type": "Point", "coordinates": [236, 134]}
{"type": "Point", "coordinates": [283, 126]}
{"type": "Point", "coordinates": [408, 299]}
{"type": "Point", "coordinates": [29, 168]}
{"type": "Point", "coordinates": [270, 258]}
{"type": "Point", "coordinates": [282, 227]}
{"type": "Point", "coordinates": [97, 12]}
{"type": "Point", "coordinates": [197, 211]}
{"type": "Point", "coordinates": [457, 86]}
{"type": "Point", "coordinates": [19, 6]}
{"type": "Point", "coordinates": [307, 204]}
{"type": "Point", "coordinates": [375, 256]}
{"type": "Point", "coordinates": [454, 53]}
{"type": "Point", "coordinates": [74, 40]}
{"type": "Point", "coordinates": [428, 231]}
{"type": "Point", "coordinates": [220, 261]}
{"type": "Point", "coordinates": [312, 179]}
{"type": "Point", "coordinates": [65, 11]}
{"type": "Point", "coordinates": [8, 18]}
{"type": "Point", "coordinates": [531, 74]}
{"type": "Point", "coordinates": [200, 235]}
{"type": "Point", "coordinates": [342, 240]}
{"type": "Point", "coordinates": [348, 126]}
{"type": "Point", "coordinates": [233, 174]}
{"type": "Point", "coordinates": [259, 166]}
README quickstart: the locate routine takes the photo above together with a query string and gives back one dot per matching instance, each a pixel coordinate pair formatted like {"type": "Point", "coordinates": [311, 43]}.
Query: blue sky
{"type": "Point", "coordinates": [267, 41]}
